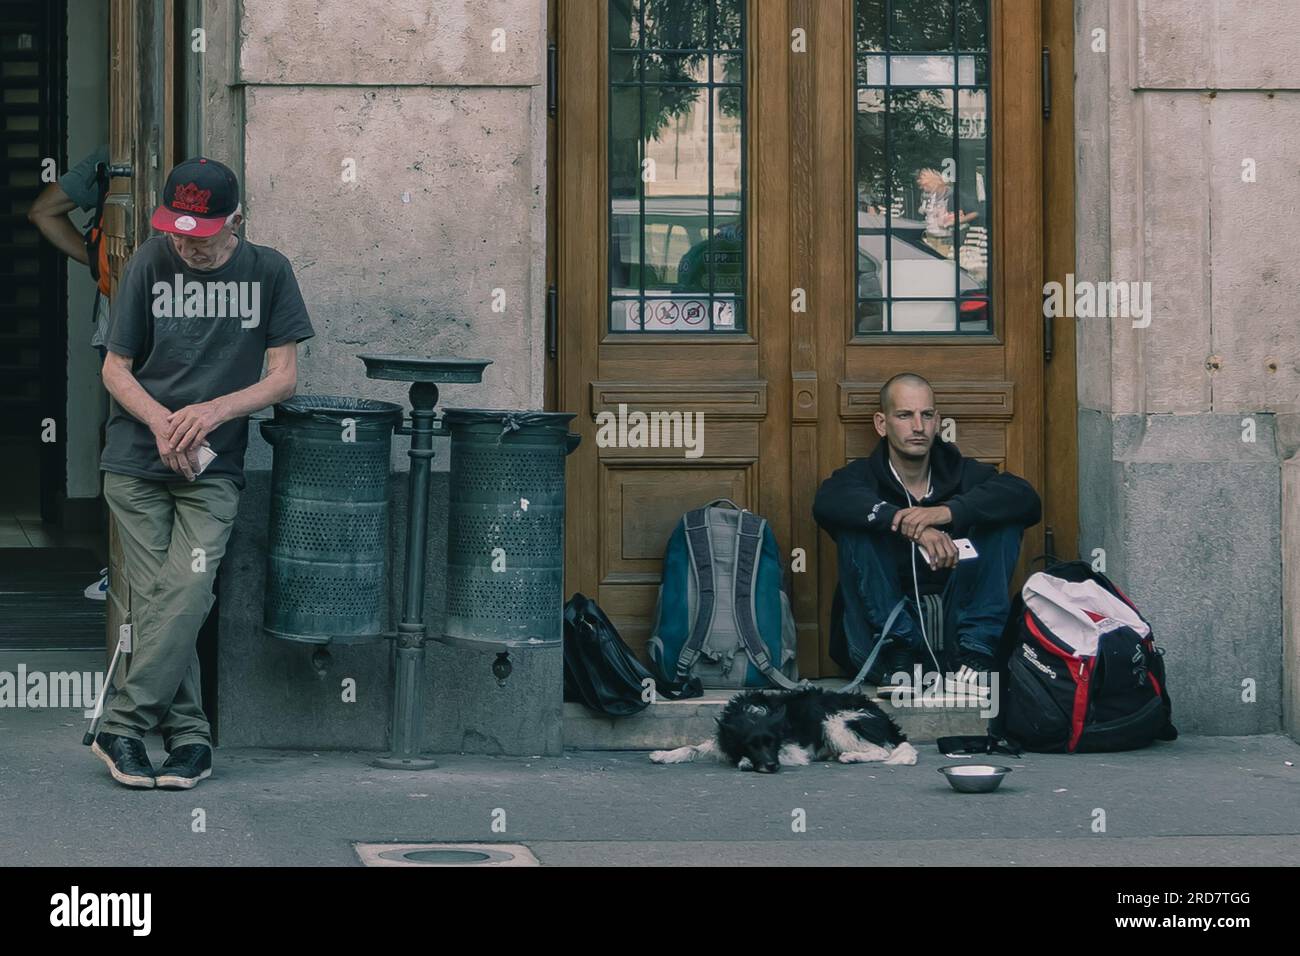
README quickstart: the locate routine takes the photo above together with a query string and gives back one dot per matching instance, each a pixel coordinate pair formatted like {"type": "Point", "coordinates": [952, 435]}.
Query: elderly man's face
{"type": "Point", "coordinates": [204, 253]}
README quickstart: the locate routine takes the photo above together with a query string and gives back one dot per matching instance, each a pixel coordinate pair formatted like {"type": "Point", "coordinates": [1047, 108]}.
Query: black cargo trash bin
{"type": "Point", "coordinates": [327, 546]}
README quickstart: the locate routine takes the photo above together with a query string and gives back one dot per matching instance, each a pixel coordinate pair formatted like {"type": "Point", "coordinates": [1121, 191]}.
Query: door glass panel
{"type": "Point", "coordinates": [869, 25]}
{"type": "Point", "coordinates": [921, 25]}
{"type": "Point", "coordinates": [921, 70]}
{"type": "Point", "coordinates": [922, 161]}
{"type": "Point", "coordinates": [676, 166]}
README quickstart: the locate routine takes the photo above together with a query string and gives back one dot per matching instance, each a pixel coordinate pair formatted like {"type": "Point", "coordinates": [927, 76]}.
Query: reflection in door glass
{"type": "Point", "coordinates": [922, 159]}
{"type": "Point", "coordinates": [676, 166]}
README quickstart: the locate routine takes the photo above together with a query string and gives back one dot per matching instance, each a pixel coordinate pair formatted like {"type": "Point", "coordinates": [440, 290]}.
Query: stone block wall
{"type": "Point", "coordinates": [1188, 178]}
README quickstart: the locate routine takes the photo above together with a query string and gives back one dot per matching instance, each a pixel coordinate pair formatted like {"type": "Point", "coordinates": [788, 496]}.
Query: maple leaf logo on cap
{"type": "Point", "coordinates": [191, 198]}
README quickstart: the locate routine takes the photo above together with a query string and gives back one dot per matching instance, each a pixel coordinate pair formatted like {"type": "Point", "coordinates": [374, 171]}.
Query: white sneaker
{"type": "Point", "coordinates": [99, 590]}
{"type": "Point", "coordinates": [968, 683]}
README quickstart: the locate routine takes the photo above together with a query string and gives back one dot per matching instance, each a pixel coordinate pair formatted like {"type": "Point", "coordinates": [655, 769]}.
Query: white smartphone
{"type": "Point", "coordinates": [965, 551]}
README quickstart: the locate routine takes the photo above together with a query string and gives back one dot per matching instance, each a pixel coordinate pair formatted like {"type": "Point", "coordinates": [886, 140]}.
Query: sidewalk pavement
{"type": "Point", "coordinates": [1201, 801]}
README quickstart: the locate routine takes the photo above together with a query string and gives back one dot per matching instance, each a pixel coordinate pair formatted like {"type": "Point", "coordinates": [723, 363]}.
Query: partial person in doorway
{"type": "Point", "coordinates": [82, 187]}
{"type": "Point", "coordinates": [915, 494]}
{"type": "Point", "coordinates": [198, 313]}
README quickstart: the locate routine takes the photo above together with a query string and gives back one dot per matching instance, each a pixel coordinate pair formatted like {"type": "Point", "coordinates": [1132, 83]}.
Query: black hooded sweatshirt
{"type": "Point", "coordinates": [864, 495]}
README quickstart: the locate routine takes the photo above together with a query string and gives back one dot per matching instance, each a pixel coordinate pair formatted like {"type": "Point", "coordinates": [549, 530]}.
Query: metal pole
{"type": "Point", "coordinates": [408, 688]}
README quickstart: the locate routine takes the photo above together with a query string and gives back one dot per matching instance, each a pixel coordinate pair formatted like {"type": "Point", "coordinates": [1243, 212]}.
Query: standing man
{"type": "Point", "coordinates": [78, 188]}
{"type": "Point", "coordinates": [911, 494]}
{"type": "Point", "coordinates": [197, 312]}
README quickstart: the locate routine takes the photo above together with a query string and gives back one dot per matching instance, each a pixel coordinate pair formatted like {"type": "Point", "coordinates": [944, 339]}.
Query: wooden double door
{"type": "Point", "coordinates": [763, 211]}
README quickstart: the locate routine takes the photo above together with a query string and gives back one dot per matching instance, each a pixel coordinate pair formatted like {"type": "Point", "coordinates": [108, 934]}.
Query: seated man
{"type": "Point", "coordinates": [910, 494]}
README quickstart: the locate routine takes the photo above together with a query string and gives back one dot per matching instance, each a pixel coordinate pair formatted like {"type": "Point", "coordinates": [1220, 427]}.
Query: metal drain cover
{"type": "Point", "coordinates": [445, 854]}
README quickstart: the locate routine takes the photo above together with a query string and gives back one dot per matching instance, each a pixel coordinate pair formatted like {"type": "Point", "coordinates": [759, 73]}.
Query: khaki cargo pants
{"type": "Point", "coordinates": [173, 536]}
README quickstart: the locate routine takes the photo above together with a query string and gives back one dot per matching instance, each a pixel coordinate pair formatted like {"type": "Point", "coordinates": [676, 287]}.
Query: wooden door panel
{"type": "Point", "coordinates": [958, 400]}
{"type": "Point", "coordinates": [681, 362]}
{"type": "Point", "coordinates": [641, 506]}
{"type": "Point", "coordinates": [718, 401]}
{"type": "Point", "coordinates": [120, 207]}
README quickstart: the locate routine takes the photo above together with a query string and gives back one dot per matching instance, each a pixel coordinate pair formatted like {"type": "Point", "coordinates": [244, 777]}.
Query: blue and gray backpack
{"type": "Point", "coordinates": [723, 614]}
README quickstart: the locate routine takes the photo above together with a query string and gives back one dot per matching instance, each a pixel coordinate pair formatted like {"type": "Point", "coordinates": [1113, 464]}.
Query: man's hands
{"type": "Point", "coordinates": [181, 433]}
{"type": "Point", "coordinates": [918, 524]}
{"type": "Point", "coordinates": [910, 522]}
{"type": "Point", "coordinates": [187, 427]}
{"type": "Point", "coordinates": [937, 544]}
{"type": "Point", "coordinates": [182, 462]}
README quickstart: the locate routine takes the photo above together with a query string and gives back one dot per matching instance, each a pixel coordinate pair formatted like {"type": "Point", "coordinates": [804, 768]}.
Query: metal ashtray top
{"type": "Point", "coordinates": [974, 778]}
{"type": "Point", "coordinates": [407, 368]}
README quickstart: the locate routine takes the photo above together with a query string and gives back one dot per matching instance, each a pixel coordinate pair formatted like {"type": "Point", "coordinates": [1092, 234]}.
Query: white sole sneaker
{"type": "Point", "coordinates": [130, 780]}
{"type": "Point", "coordinates": [966, 683]}
{"type": "Point", "coordinates": [171, 781]}
{"type": "Point", "coordinates": [99, 590]}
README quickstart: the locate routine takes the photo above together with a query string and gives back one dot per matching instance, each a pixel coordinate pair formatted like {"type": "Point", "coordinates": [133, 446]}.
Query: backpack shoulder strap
{"type": "Point", "coordinates": [96, 225]}
{"type": "Point", "coordinates": [875, 651]}
{"type": "Point", "coordinates": [700, 552]}
{"type": "Point", "coordinates": [749, 542]}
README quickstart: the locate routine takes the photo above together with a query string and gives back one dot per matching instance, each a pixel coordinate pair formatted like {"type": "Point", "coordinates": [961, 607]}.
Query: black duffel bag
{"type": "Point", "coordinates": [601, 672]}
{"type": "Point", "coordinates": [1081, 672]}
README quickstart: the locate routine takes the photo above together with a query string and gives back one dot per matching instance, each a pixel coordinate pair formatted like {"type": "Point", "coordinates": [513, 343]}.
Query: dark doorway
{"type": "Point", "coordinates": [33, 275]}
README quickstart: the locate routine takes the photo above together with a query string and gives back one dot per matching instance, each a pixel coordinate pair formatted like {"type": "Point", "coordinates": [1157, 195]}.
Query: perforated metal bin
{"type": "Point", "coordinates": [505, 534]}
{"type": "Point", "coordinates": [327, 548]}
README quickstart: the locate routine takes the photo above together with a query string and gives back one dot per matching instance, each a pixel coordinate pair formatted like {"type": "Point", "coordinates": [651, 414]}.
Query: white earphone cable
{"type": "Point", "coordinates": [916, 586]}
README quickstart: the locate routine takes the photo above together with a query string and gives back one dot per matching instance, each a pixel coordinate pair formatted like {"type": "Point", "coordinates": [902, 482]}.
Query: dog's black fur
{"type": "Point", "coordinates": [755, 726]}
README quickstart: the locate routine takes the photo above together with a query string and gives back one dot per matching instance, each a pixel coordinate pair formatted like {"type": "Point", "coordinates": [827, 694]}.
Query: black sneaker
{"type": "Point", "coordinates": [899, 658]}
{"type": "Point", "coordinates": [972, 677]}
{"type": "Point", "coordinates": [127, 759]}
{"type": "Point", "coordinates": [186, 766]}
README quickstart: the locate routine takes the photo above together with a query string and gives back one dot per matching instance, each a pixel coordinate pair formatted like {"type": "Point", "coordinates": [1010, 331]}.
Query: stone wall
{"type": "Point", "coordinates": [1184, 425]}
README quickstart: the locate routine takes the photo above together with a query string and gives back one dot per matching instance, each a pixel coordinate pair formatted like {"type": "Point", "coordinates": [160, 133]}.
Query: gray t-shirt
{"type": "Point", "coordinates": [78, 183]}
{"type": "Point", "coordinates": [196, 335]}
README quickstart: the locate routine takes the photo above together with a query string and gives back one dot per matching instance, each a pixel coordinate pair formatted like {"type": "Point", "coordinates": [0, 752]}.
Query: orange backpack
{"type": "Point", "coordinates": [96, 250]}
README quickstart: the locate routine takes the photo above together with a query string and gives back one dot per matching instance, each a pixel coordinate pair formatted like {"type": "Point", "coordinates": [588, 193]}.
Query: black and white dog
{"type": "Point", "coordinates": [765, 730]}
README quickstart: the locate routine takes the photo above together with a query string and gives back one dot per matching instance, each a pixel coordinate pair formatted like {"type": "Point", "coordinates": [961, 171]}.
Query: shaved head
{"type": "Point", "coordinates": [902, 378]}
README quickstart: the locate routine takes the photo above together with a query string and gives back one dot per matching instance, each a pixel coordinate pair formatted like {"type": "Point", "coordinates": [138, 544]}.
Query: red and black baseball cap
{"type": "Point", "coordinates": [200, 194]}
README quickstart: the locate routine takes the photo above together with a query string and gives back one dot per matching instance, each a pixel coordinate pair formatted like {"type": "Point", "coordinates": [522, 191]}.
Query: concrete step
{"type": "Point", "coordinates": [675, 723]}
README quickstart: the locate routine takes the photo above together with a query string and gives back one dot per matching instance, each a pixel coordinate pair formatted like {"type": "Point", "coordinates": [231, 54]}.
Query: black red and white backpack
{"type": "Point", "coordinates": [1081, 670]}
